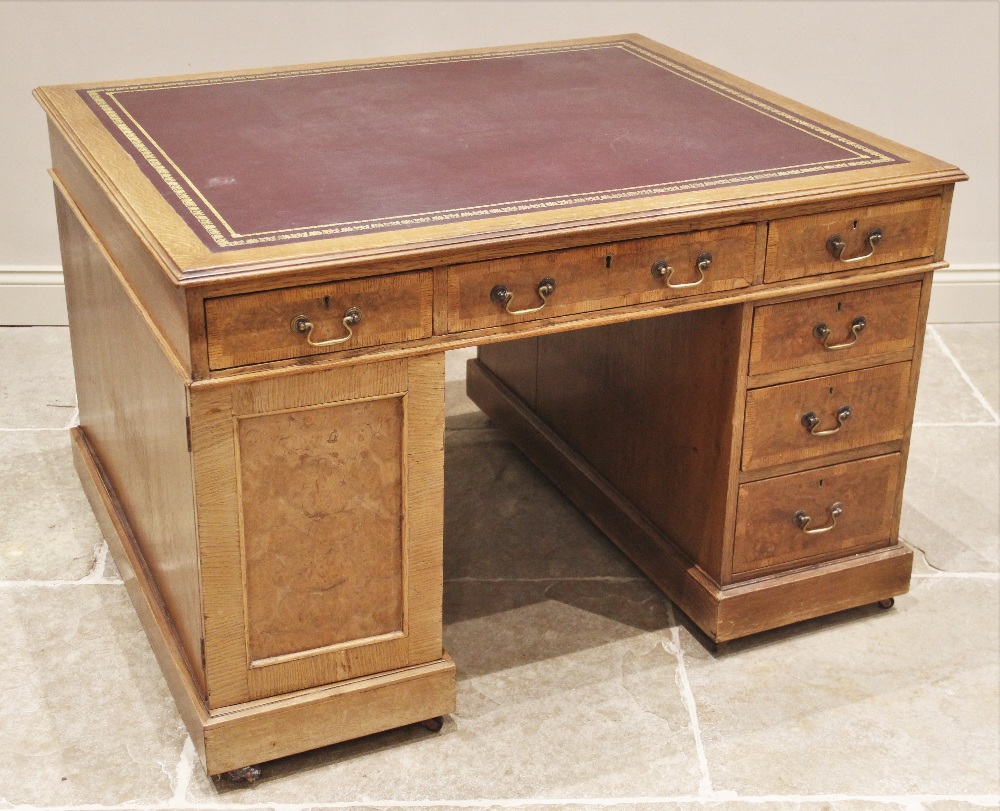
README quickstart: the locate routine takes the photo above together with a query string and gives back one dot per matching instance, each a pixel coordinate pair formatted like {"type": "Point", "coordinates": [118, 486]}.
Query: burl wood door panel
{"type": "Point", "coordinates": [321, 495]}
{"type": "Point", "coordinates": [320, 511]}
{"type": "Point", "coordinates": [793, 520]}
{"type": "Point", "coordinates": [785, 335]}
{"type": "Point", "coordinates": [849, 410]}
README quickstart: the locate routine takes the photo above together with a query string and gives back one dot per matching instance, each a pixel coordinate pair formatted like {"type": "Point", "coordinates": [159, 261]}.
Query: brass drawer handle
{"type": "Point", "coordinates": [802, 519]}
{"type": "Point", "coordinates": [351, 318]}
{"type": "Point", "coordinates": [502, 295]}
{"type": "Point", "coordinates": [835, 245]}
{"type": "Point", "coordinates": [822, 333]}
{"type": "Point", "coordinates": [661, 270]}
{"type": "Point", "coordinates": [811, 422]}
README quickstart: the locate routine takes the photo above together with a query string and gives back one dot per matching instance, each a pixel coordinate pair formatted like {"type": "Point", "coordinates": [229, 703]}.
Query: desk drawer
{"type": "Point", "coordinates": [812, 418]}
{"type": "Point", "coordinates": [823, 329]}
{"type": "Point", "coordinates": [789, 520]}
{"type": "Point", "coordinates": [598, 277]}
{"type": "Point", "coordinates": [852, 238]}
{"type": "Point", "coordinates": [258, 327]}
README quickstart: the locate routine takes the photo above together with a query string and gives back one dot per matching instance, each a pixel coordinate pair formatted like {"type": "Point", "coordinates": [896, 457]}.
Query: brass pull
{"type": "Point", "coordinates": [501, 295]}
{"type": "Point", "coordinates": [351, 318]}
{"type": "Point", "coordinates": [811, 422]}
{"type": "Point", "coordinates": [802, 519]}
{"type": "Point", "coordinates": [661, 270]}
{"type": "Point", "coordinates": [835, 245]}
{"type": "Point", "coordinates": [822, 333]}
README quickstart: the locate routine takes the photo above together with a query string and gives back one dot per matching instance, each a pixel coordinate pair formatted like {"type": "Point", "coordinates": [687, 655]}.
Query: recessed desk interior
{"type": "Point", "coordinates": [699, 309]}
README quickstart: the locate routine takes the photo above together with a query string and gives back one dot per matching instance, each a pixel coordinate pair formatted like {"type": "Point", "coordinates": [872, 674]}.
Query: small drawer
{"type": "Point", "coordinates": [823, 329]}
{"type": "Point", "coordinates": [852, 238]}
{"type": "Point", "coordinates": [812, 418]}
{"type": "Point", "coordinates": [273, 325]}
{"type": "Point", "coordinates": [596, 277]}
{"type": "Point", "coordinates": [819, 514]}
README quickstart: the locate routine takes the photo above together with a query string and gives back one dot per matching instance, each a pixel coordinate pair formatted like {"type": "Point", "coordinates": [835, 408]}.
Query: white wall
{"type": "Point", "coordinates": [922, 73]}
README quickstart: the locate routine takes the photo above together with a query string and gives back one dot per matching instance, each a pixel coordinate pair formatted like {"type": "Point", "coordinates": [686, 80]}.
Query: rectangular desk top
{"type": "Point", "coordinates": [240, 171]}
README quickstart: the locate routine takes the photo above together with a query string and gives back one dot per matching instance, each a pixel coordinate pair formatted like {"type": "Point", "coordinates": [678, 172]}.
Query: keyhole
{"type": "Point", "coordinates": [855, 224]}
{"type": "Point", "coordinates": [840, 306]}
{"type": "Point", "coordinates": [831, 389]}
{"type": "Point", "coordinates": [821, 482]}
{"type": "Point", "coordinates": [326, 302]}
{"type": "Point", "coordinates": [607, 262]}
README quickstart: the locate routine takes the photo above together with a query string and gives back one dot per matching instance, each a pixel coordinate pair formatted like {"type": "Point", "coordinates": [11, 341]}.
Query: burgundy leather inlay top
{"type": "Point", "coordinates": [288, 156]}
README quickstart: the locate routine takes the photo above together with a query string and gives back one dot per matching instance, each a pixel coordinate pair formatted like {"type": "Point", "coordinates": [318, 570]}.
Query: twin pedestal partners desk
{"type": "Point", "coordinates": [718, 297]}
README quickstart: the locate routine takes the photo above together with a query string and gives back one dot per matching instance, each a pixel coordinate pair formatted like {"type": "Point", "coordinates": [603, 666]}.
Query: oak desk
{"type": "Point", "coordinates": [719, 296]}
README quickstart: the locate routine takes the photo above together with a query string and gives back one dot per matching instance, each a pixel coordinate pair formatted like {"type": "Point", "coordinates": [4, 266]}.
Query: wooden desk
{"type": "Point", "coordinates": [719, 296]}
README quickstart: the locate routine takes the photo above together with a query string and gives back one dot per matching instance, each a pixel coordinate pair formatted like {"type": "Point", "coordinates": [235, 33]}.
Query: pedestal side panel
{"type": "Point", "coordinates": [133, 410]}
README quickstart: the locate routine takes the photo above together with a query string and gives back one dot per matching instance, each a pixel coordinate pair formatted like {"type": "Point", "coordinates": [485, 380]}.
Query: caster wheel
{"type": "Point", "coordinates": [887, 604]}
{"type": "Point", "coordinates": [434, 724]}
{"type": "Point", "coordinates": [246, 774]}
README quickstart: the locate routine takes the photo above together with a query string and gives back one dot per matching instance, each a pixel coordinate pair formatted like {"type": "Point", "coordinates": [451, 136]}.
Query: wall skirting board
{"type": "Point", "coordinates": [33, 295]}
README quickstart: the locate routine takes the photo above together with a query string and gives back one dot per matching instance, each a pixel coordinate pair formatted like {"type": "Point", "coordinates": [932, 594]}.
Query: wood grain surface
{"type": "Point", "coordinates": [256, 327]}
{"type": "Point", "coordinates": [417, 387]}
{"type": "Point", "coordinates": [767, 535]}
{"type": "Point", "coordinates": [188, 694]}
{"type": "Point", "coordinates": [133, 410]}
{"type": "Point", "coordinates": [649, 406]}
{"type": "Point", "coordinates": [162, 299]}
{"type": "Point", "coordinates": [321, 496]}
{"type": "Point", "coordinates": [813, 591]}
{"type": "Point", "coordinates": [774, 434]}
{"type": "Point", "coordinates": [325, 715]}
{"type": "Point", "coordinates": [599, 276]}
{"type": "Point", "coordinates": [516, 364]}
{"type": "Point", "coordinates": [722, 612]}
{"type": "Point", "coordinates": [784, 337]}
{"type": "Point", "coordinates": [798, 246]}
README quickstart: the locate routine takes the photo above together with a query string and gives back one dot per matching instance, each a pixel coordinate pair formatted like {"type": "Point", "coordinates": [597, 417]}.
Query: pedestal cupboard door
{"type": "Point", "coordinates": [320, 513]}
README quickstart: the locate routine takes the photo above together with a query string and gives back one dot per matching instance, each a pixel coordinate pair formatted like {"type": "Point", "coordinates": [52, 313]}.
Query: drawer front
{"type": "Point", "coordinates": [852, 238]}
{"type": "Point", "coordinates": [599, 277]}
{"type": "Point", "coordinates": [789, 520]}
{"type": "Point", "coordinates": [258, 327]}
{"type": "Point", "coordinates": [814, 331]}
{"type": "Point", "coordinates": [812, 418]}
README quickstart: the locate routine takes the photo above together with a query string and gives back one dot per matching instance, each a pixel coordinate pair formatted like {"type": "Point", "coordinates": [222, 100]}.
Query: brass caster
{"type": "Point", "coordinates": [434, 724]}
{"type": "Point", "coordinates": [246, 774]}
{"type": "Point", "coordinates": [887, 604]}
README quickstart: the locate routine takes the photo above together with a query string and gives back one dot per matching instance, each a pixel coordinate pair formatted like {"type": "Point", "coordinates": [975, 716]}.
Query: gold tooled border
{"type": "Point", "coordinates": [225, 236]}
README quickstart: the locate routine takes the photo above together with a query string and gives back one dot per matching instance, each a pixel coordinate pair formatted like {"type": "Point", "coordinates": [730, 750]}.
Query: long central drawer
{"type": "Point", "coordinates": [595, 277]}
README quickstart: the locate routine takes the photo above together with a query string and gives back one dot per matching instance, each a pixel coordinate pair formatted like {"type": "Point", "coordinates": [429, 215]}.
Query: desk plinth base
{"type": "Point", "coordinates": [723, 613]}
{"type": "Point", "coordinates": [232, 737]}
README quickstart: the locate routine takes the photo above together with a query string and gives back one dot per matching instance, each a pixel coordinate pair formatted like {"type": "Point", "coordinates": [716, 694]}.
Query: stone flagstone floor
{"type": "Point", "coordinates": [579, 684]}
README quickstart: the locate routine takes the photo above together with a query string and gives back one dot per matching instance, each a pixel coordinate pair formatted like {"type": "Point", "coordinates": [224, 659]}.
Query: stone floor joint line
{"type": "Point", "coordinates": [914, 801]}
{"type": "Point", "coordinates": [687, 696]}
{"type": "Point", "coordinates": [975, 389]}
